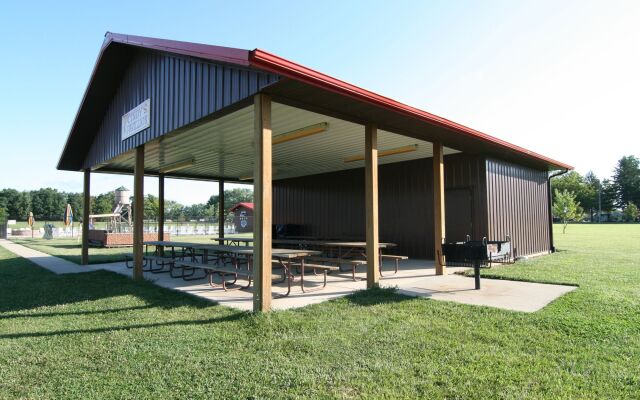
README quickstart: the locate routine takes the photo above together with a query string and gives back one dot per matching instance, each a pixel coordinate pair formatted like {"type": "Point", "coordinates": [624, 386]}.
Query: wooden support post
{"type": "Point", "coordinates": [138, 212]}
{"type": "Point", "coordinates": [86, 211]}
{"type": "Point", "coordinates": [221, 209]}
{"type": "Point", "coordinates": [371, 205]}
{"type": "Point", "coordinates": [161, 207]}
{"type": "Point", "coordinates": [262, 203]}
{"type": "Point", "coordinates": [438, 206]}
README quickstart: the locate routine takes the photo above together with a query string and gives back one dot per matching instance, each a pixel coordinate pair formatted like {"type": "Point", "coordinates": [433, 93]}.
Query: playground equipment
{"type": "Point", "coordinates": [119, 221]}
{"type": "Point", "coordinates": [119, 229]}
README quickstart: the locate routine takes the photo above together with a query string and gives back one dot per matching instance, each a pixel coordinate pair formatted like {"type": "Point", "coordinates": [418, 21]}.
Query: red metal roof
{"type": "Point", "coordinates": [241, 204]}
{"type": "Point", "coordinates": [270, 62]}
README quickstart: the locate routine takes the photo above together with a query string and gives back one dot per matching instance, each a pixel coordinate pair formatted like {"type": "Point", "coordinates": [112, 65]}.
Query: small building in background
{"type": "Point", "coordinates": [243, 217]}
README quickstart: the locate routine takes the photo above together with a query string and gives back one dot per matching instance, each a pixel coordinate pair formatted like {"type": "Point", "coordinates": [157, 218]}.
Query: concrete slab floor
{"type": "Point", "coordinates": [415, 278]}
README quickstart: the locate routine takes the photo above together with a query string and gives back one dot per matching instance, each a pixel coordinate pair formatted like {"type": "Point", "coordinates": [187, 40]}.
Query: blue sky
{"type": "Point", "coordinates": [558, 77]}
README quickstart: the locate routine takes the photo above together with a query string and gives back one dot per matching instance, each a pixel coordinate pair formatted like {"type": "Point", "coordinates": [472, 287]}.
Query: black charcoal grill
{"type": "Point", "coordinates": [476, 253]}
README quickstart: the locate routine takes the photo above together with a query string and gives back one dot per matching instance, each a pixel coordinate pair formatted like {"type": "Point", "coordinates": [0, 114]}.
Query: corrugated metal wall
{"type": "Point", "coordinates": [332, 205]}
{"type": "Point", "coordinates": [182, 90]}
{"type": "Point", "coordinates": [517, 198]}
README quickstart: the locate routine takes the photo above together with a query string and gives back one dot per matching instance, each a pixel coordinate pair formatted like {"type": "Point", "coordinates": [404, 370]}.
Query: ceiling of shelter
{"type": "Point", "coordinates": [224, 147]}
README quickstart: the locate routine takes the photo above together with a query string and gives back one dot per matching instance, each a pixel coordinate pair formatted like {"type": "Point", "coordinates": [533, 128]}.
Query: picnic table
{"type": "Point", "coordinates": [285, 258]}
{"type": "Point", "coordinates": [230, 240]}
{"type": "Point", "coordinates": [345, 249]}
{"type": "Point", "coordinates": [340, 252]}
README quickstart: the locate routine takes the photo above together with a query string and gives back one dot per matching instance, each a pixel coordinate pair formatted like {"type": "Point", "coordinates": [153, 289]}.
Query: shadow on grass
{"type": "Point", "coordinates": [25, 286]}
{"type": "Point", "coordinates": [372, 297]}
{"type": "Point", "coordinates": [72, 313]}
{"type": "Point", "coordinates": [489, 273]}
{"type": "Point", "coordinates": [529, 280]}
{"type": "Point", "coordinates": [226, 318]}
{"type": "Point", "coordinates": [58, 245]}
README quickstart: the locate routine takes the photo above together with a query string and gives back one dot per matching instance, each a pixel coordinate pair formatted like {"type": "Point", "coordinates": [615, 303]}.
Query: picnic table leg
{"type": "Point", "coordinates": [324, 283]}
{"type": "Point", "coordinates": [289, 277]}
{"type": "Point", "coordinates": [284, 271]}
{"type": "Point", "coordinates": [340, 260]}
{"type": "Point", "coordinates": [302, 274]}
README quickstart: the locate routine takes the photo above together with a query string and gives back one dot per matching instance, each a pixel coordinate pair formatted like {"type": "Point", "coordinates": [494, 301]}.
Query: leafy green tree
{"type": "Point", "coordinates": [626, 180]}
{"type": "Point", "coordinates": [608, 196]}
{"type": "Point", "coordinates": [589, 195]}
{"type": "Point", "coordinates": [48, 204]}
{"type": "Point", "coordinates": [195, 211]}
{"type": "Point", "coordinates": [584, 188]}
{"type": "Point", "coordinates": [151, 207]}
{"type": "Point", "coordinates": [231, 198]}
{"type": "Point", "coordinates": [566, 208]}
{"type": "Point", "coordinates": [16, 204]}
{"type": "Point", "coordinates": [572, 181]}
{"type": "Point", "coordinates": [76, 200]}
{"type": "Point", "coordinates": [103, 203]}
{"type": "Point", "coordinates": [631, 212]}
{"type": "Point", "coordinates": [172, 210]}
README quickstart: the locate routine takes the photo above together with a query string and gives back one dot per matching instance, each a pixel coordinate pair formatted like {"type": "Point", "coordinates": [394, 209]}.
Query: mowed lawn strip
{"type": "Point", "coordinates": [70, 249]}
{"type": "Point", "coordinates": [100, 335]}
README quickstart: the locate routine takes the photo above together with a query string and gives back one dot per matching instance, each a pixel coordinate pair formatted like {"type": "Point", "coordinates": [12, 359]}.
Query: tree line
{"type": "Point", "coordinates": [619, 193]}
{"type": "Point", "coordinates": [578, 195]}
{"type": "Point", "coordinates": [48, 204]}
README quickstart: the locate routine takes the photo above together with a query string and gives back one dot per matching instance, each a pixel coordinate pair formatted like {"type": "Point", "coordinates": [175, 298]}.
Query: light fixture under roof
{"type": "Point", "coordinates": [300, 133]}
{"type": "Point", "coordinates": [384, 153]}
{"type": "Point", "coordinates": [177, 166]}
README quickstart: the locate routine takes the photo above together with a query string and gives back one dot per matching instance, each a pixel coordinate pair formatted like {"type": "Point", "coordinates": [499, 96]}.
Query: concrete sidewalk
{"type": "Point", "coordinates": [44, 260]}
{"type": "Point", "coordinates": [415, 278]}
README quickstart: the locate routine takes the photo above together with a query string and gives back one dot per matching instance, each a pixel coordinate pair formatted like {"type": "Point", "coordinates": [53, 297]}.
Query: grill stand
{"type": "Point", "coordinates": [476, 273]}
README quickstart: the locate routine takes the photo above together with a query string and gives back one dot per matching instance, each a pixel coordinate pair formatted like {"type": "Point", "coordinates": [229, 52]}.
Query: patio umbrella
{"type": "Point", "coordinates": [31, 221]}
{"type": "Point", "coordinates": [68, 217]}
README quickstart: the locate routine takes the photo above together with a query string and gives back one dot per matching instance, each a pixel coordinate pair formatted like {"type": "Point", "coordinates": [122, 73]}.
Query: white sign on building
{"type": "Point", "coordinates": [137, 119]}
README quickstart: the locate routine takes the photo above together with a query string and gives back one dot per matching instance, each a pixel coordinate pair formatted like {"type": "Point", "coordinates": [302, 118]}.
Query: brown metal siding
{"type": "Point", "coordinates": [517, 200]}
{"type": "Point", "coordinates": [332, 205]}
{"type": "Point", "coordinates": [182, 90]}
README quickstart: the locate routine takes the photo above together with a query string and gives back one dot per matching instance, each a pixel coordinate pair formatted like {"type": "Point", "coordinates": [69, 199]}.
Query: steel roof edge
{"type": "Point", "coordinates": [215, 53]}
{"type": "Point", "coordinates": [271, 62]}
{"type": "Point", "coordinates": [207, 51]}
{"type": "Point", "coordinates": [105, 44]}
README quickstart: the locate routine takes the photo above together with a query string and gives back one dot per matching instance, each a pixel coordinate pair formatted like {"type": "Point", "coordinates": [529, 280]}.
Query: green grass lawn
{"type": "Point", "coordinates": [70, 248]}
{"type": "Point", "coordinates": [100, 335]}
{"type": "Point", "coordinates": [101, 224]}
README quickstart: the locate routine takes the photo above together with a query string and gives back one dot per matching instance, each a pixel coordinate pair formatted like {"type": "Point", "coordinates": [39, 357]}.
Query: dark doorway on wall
{"type": "Point", "coordinates": [458, 214]}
